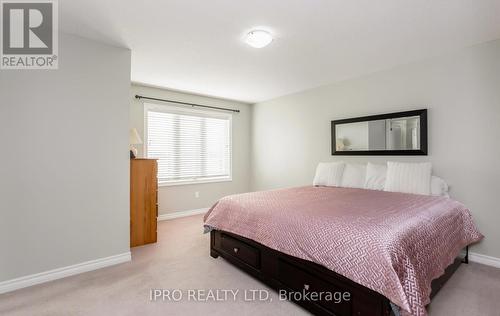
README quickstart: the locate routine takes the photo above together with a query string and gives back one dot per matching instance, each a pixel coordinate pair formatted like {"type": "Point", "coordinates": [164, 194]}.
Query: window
{"type": "Point", "coordinates": [191, 145]}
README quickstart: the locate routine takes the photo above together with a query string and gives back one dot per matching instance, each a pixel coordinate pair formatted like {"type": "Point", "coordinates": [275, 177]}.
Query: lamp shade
{"type": "Point", "coordinates": [340, 144]}
{"type": "Point", "coordinates": [134, 137]}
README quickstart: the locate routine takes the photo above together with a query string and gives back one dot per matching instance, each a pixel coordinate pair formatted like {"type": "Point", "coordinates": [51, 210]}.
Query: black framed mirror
{"type": "Point", "coordinates": [400, 133]}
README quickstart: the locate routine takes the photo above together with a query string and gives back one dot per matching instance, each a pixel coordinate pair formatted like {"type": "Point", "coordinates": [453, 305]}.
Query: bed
{"type": "Point", "coordinates": [391, 251]}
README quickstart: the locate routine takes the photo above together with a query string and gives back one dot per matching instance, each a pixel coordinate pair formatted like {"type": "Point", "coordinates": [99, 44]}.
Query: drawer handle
{"type": "Point", "coordinates": [236, 250]}
{"type": "Point", "coordinates": [306, 287]}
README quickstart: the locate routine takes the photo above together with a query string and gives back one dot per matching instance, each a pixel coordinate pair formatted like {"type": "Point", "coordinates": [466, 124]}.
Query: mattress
{"type": "Point", "coordinates": [392, 243]}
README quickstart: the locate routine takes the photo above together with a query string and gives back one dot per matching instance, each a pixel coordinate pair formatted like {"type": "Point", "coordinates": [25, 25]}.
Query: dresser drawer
{"type": "Point", "coordinates": [298, 280]}
{"type": "Point", "coordinates": [241, 250]}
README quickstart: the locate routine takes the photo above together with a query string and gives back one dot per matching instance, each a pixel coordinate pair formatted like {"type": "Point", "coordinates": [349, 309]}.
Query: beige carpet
{"type": "Point", "coordinates": [180, 260]}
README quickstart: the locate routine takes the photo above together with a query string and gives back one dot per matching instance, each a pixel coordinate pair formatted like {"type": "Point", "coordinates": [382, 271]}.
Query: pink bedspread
{"type": "Point", "coordinates": [392, 243]}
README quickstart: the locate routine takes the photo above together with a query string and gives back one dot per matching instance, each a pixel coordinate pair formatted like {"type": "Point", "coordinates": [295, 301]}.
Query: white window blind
{"type": "Point", "coordinates": [190, 145]}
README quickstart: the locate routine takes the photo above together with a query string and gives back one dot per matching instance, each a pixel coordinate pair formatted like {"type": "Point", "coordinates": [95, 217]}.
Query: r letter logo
{"type": "Point", "coordinates": [29, 35]}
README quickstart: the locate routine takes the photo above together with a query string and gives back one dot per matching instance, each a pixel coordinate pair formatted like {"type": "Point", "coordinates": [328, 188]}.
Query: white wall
{"type": "Point", "coordinates": [291, 134]}
{"type": "Point", "coordinates": [64, 188]}
{"type": "Point", "coordinates": [182, 197]}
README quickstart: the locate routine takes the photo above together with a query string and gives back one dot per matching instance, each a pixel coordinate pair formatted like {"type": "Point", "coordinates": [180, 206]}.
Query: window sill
{"type": "Point", "coordinates": [186, 182]}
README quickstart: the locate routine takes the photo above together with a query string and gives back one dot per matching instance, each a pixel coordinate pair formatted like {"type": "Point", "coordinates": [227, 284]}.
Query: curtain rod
{"type": "Point", "coordinates": [186, 103]}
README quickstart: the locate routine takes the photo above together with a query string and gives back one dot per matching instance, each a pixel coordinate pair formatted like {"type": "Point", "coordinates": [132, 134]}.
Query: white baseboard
{"type": "Point", "coordinates": [165, 217]}
{"type": "Point", "coordinates": [33, 279]}
{"type": "Point", "coordinates": [483, 259]}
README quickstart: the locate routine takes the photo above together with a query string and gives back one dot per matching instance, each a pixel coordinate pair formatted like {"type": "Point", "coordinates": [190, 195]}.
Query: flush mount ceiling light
{"type": "Point", "coordinates": [258, 38]}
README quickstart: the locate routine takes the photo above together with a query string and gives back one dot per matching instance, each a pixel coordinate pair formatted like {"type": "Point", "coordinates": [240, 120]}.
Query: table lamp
{"type": "Point", "coordinates": [134, 139]}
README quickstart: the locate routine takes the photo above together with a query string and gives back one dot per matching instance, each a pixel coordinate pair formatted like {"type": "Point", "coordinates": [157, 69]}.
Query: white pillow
{"type": "Point", "coordinates": [439, 187]}
{"type": "Point", "coordinates": [353, 176]}
{"type": "Point", "coordinates": [329, 173]}
{"type": "Point", "coordinates": [409, 177]}
{"type": "Point", "coordinates": [375, 176]}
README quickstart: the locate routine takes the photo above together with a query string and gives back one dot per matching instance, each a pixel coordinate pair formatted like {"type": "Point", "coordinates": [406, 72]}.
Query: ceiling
{"type": "Point", "coordinates": [196, 46]}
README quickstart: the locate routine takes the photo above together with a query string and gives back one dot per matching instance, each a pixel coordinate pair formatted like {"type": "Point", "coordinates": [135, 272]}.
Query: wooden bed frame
{"type": "Point", "coordinates": [283, 272]}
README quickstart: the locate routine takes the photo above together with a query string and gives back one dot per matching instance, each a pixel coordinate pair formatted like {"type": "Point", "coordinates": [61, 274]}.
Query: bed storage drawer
{"type": "Point", "coordinates": [303, 281]}
{"type": "Point", "coordinates": [240, 250]}
{"type": "Point", "coordinates": [283, 272]}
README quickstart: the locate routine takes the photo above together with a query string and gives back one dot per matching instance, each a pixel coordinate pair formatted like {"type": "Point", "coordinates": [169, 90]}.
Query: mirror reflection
{"type": "Point", "coordinates": [402, 133]}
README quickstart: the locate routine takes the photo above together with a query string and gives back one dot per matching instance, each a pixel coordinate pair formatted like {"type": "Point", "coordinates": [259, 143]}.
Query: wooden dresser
{"type": "Point", "coordinates": [143, 201]}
